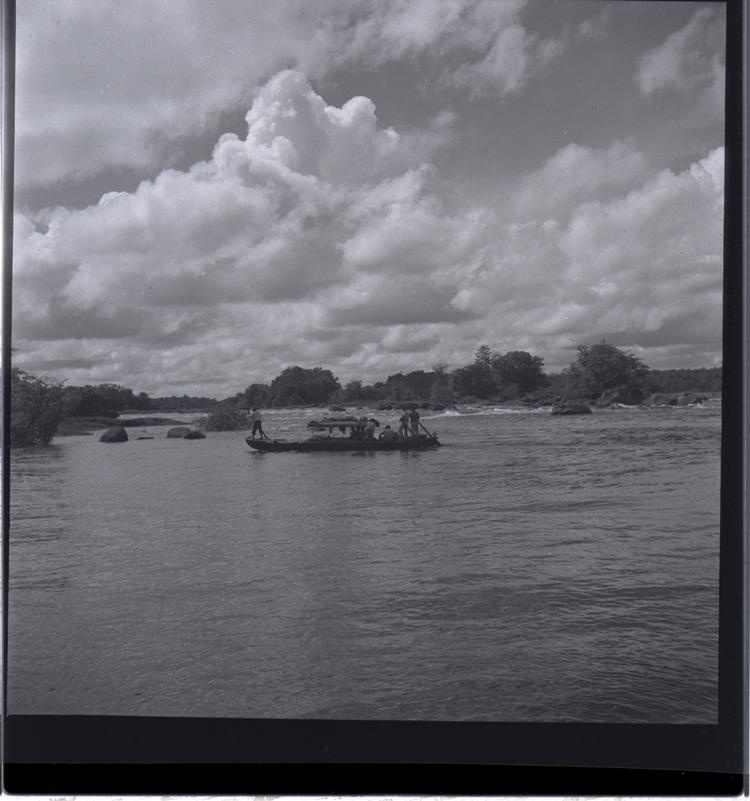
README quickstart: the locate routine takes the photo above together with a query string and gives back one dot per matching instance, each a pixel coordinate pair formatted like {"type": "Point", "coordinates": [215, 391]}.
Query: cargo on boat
{"type": "Point", "coordinates": [355, 435]}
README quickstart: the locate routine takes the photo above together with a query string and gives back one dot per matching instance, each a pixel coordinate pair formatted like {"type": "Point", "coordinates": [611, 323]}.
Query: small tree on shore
{"type": "Point", "coordinates": [37, 406]}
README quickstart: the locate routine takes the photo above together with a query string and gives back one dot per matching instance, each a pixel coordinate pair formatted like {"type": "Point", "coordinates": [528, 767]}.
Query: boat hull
{"type": "Point", "coordinates": [341, 445]}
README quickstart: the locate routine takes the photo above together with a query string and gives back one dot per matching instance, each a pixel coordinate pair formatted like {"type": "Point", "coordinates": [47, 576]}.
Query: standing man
{"type": "Point", "coordinates": [414, 420]}
{"type": "Point", "coordinates": [257, 422]}
{"type": "Point", "coordinates": [403, 430]}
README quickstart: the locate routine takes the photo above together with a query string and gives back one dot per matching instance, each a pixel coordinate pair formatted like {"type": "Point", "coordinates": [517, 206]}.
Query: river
{"type": "Point", "coordinates": [535, 568]}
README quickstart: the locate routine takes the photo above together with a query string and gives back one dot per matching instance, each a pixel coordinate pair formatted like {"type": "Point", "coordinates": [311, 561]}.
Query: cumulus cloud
{"type": "Point", "coordinates": [576, 173]}
{"type": "Point", "coordinates": [641, 268]}
{"type": "Point", "coordinates": [324, 237]}
{"type": "Point", "coordinates": [312, 198]}
{"type": "Point", "coordinates": [109, 86]}
{"type": "Point", "coordinates": [689, 58]}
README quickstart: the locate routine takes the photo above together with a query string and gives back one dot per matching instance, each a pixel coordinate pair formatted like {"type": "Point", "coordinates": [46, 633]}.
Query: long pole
{"type": "Point", "coordinates": [429, 433]}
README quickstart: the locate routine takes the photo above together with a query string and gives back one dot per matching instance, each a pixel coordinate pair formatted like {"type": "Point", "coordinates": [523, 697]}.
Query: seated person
{"type": "Point", "coordinates": [370, 429]}
{"type": "Point", "coordinates": [388, 434]}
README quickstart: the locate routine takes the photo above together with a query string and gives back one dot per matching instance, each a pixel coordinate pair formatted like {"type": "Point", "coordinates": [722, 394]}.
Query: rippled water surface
{"type": "Point", "coordinates": [536, 568]}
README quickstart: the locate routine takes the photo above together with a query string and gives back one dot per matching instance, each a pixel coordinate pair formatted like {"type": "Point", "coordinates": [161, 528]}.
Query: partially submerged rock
{"type": "Point", "coordinates": [674, 399]}
{"type": "Point", "coordinates": [183, 432]}
{"type": "Point", "coordinates": [114, 434]}
{"type": "Point", "coordinates": [661, 399]}
{"type": "Point", "coordinates": [179, 432]}
{"type": "Point", "coordinates": [689, 398]}
{"type": "Point", "coordinates": [569, 407]}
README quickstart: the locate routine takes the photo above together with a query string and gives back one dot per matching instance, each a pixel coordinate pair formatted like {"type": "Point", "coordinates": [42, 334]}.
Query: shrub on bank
{"type": "Point", "coordinates": [37, 406]}
{"type": "Point", "coordinates": [226, 418]}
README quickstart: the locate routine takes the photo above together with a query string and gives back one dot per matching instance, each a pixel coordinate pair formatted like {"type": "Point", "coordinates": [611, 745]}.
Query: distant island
{"type": "Point", "coordinates": [601, 375]}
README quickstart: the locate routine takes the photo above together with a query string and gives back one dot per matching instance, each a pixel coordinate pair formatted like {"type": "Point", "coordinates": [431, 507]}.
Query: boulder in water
{"type": "Point", "coordinates": [569, 407]}
{"type": "Point", "coordinates": [179, 432]}
{"type": "Point", "coordinates": [194, 434]}
{"type": "Point", "coordinates": [114, 434]}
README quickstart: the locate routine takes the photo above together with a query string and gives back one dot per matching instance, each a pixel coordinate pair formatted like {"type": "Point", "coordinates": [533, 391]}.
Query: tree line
{"type": "Point", "coordinates": [491, 376]}
{"type": "Point", "coordinates": [39, 404]}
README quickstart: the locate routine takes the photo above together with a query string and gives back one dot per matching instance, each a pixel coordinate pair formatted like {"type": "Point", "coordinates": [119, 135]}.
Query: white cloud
{"type": "Point", "coordinates": [576, 173]}
{"type": "Point", "coordinates": [313, 200]}
{"type": "Point", "coordinates": [514, 56]}
{"type": "Point", "coordinates": [649, 261]}
{"type": "Point", "coordinates": [689, 57]}
{"type": "Point", "coordinates": [323, 238]}
{"type": "Point", "coordinates": [111, 86]}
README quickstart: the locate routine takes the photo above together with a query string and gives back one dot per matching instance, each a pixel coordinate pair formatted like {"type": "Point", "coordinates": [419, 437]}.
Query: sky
{"type": "Point", "coordinates": [208, 193]}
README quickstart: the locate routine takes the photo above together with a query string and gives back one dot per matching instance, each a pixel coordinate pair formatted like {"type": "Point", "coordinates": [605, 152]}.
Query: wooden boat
{"type": "Point", "coordinates": [355, 439]}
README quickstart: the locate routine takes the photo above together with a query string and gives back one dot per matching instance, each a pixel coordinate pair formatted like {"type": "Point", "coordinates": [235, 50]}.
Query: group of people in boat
{"type": "Point", "coordinates": [364, 429]}
{"type": "Point", "coordinates": [409, 427]}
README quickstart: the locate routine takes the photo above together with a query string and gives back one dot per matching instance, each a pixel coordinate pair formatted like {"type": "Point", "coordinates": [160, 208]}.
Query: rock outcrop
{"type": "Point", "coordinates": [673, 399]}
{"type": "Point", "coordinates": [114, 434]}
{"type": "Point", "coordinates": [569, 407]}
{"type": "Point", "coordinates": [622, 395]}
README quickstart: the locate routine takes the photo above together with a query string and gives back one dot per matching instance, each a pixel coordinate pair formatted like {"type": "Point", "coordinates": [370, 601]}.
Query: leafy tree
{"type": "Point", "coordinates": [256, 395]}
{"type": "Point", "coordinates": [484, 357]}
{"type": "Point", "coordinates": [37, 406]}
{"type": "Point", "coordinates": [442, 384]}
{"type": "Point", "coordinates": [702, 379]}
{"type": "Point", "coordinates": [352, 392]}
{"type": "Point", "coordinates": [520, 368]}
{"type": "Point", "coordinates": [101, 400]}
{"type": "Point", "coordinates": [477, 379]}
{"type": "Point", "coordinates": [297, 386]}
{"type": "Point", "coordinates": [142, 402]}
{"type": "Point", "coordinates": [603, 366]}
{"type": "Point", "coordinates": [182, 402]}
{"type": "Point", "coordinates": [416, 385]}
